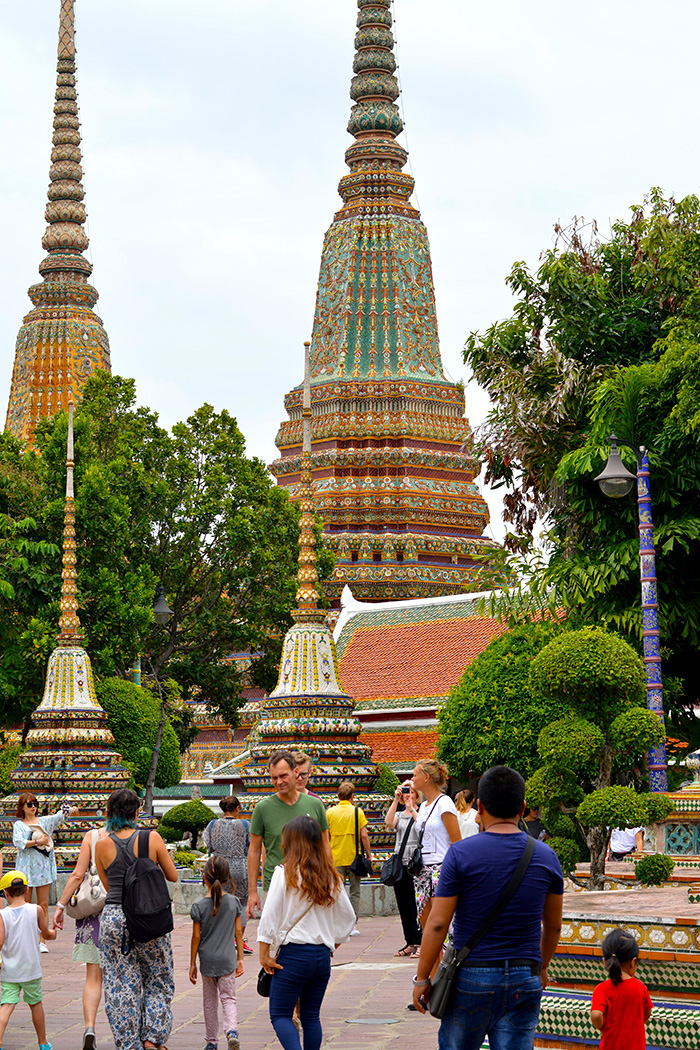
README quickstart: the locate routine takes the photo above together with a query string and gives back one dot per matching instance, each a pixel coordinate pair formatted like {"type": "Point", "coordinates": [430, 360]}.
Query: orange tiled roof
{"type": "Point", "coordinates": [421, 658]}
{"type": "Point", "coordinates": [400, 745]}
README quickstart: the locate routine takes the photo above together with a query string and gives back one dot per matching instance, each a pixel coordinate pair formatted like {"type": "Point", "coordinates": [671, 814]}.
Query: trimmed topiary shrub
{"type": "Point", "coordinates": [567, 851]}
{"type": "Point", "coordinates": [134, 714]}
{"type": "Point", "coordinates": [186, 859]}
{"type": "Point", "coordinates": [654, 870]}
{"type": "Point", "coordinates": [192, 817]}
{"type": "Point", "coordinates": [9, 757]}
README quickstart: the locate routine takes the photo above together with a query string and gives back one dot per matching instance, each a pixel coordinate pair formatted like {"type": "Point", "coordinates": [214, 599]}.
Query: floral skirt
{"type": "Point", "coordinates": [87, 939]}
{"type": "Point", "coordinates": [425, 885]}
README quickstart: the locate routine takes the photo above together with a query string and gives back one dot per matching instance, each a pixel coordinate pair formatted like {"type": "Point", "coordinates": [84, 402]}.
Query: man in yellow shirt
{"type": "Point", "coordinates": [341, 825]}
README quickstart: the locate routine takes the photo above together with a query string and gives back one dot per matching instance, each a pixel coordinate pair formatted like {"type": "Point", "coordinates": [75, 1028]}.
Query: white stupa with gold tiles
{"type": "Point", "coordinates": [70, 753]}
{"type": "Point", "coordinates": [309, 709]}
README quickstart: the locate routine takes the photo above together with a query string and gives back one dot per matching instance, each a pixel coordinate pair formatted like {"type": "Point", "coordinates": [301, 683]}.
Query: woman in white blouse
{"type": "Point", "coordinates": [466, 816]}
{"type": "Point", "coordinates": [437, 820]}
{"type": "Point", "coordinates": [305, 917]}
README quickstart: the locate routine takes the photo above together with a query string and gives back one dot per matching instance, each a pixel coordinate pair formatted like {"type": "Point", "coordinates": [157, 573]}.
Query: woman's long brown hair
{"type": "Point", "coordinates": [307, 866]}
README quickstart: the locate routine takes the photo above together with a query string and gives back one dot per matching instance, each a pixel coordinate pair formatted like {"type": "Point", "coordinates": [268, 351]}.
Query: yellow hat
{"type": "Point", "coordinates": [12, 876]}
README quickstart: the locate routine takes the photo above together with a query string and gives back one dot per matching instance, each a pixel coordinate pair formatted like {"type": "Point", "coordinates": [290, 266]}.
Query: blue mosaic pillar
{"type": "Point", "coordinates": [650, 622]}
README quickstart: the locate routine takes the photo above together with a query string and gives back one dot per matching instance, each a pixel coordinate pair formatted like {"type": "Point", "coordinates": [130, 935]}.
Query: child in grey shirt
{"type": "Point", "coordinates": [217, 937]}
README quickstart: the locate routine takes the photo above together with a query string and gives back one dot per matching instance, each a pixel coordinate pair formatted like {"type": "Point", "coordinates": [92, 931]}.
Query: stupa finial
{"type": "Point", "coordinates": [69, 622]}
{"type": "Point", "coordinates": [66, 30]}
{"type": "Point", "coordinates": [307, 592]}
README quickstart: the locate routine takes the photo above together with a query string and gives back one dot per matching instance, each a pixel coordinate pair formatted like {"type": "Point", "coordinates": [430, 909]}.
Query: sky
{"type": "Point", "coordinates": [213, 142]}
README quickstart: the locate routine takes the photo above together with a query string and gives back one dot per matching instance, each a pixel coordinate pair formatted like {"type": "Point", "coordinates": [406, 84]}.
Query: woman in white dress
{"type": "Point", "coordinates": [31, 835]}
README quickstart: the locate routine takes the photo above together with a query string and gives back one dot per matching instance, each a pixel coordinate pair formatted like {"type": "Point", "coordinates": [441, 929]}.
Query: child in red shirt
{"type": "Point", "coordinates": [621, 1005]}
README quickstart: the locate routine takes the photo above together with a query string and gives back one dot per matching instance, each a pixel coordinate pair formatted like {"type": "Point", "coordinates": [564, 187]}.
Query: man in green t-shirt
{"type": "Point", "coordinates": [269, 819]}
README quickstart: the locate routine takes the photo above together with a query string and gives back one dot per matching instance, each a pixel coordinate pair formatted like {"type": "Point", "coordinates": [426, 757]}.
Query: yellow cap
{"type": "Point", "coordinates": [12, 876]}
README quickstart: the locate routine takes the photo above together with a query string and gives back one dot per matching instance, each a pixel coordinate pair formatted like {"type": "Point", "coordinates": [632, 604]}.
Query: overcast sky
{"type": "Point", "coordinates": [213, 141]}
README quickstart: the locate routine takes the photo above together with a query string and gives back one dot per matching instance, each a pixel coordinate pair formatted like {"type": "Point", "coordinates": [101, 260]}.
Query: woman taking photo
{"type": "Point", "coordinates": [229, 837]}
{"type": "Point", "coordinates": [31, 835]}
{"type": "Point", "coordinates": [139, 987]}
{"type": "Point", "coordinates": [437, 821]}
{"type": "Point", "coordinates": [87, 932]}
{"type": "Point", "coordinates": [402, 814]}
{"type": "Point", "coordinates": [305, 917]}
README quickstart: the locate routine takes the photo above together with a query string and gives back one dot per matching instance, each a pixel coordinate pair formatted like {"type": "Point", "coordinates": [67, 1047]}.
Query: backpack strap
{"type": "Point", "coordinates": [142, 843]}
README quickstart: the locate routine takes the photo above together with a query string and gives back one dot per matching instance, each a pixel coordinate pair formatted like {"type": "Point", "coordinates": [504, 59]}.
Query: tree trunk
{"type": "Point", "coordinates": [597, 841]}
{"type": "Point", "coordinates": [151, 781]}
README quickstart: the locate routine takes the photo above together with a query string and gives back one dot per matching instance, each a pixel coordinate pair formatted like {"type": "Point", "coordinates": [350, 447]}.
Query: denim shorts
{"type": "Point", "coordinates": [502, 1002]}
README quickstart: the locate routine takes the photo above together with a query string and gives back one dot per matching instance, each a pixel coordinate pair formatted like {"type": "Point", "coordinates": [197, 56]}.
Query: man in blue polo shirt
{"type": "Point", "coordinates": [498, 988]}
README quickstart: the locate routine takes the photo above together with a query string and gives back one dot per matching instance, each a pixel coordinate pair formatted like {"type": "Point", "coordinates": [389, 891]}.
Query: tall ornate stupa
{"type": "Point", "coordinates": [309, 709]}
{"type": "Point", "coordinates": [69, 747]}
{"type": "Point", "coordinates": [61, 341]}
{"type": "Point", "coordinates": [391, 462]}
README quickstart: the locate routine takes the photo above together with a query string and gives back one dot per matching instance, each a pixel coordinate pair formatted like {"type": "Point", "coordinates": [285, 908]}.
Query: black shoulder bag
{"type": "Point", "coordinates": [360, 866]}
{"type": "Point", "coordinates": [392, 869]}
{"type": "Point", "coordinates": [446, 973]}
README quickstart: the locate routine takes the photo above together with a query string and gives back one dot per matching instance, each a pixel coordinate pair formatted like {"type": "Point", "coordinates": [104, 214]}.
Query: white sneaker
{"type": "Point", "coordinates": [355, 932]}
{"type": "Point", "coordinates": [43, 949]}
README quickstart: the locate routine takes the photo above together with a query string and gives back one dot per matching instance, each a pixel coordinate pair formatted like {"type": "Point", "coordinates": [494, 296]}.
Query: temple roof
{"type": "Point", "coordinates": [408, 655]}
{"type": "Point", "coordinates": [401, 748]}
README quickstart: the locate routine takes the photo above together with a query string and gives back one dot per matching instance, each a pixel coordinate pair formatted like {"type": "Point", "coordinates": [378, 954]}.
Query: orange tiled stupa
{"type": "Point", "coordinates": [61, 341]}
{"type": "Point", "coordinates": [392, 468]}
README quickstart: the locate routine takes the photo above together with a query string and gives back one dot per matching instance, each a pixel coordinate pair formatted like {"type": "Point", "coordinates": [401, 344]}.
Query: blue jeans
{"type": "Point", "coordinates": [306, 973]}
{"type": "Point", "coordinates": [499, 1002]}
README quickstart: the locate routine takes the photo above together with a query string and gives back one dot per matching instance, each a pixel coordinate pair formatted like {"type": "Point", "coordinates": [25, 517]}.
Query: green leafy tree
{"type": "Point", "coordinates": [604, 736]}
{"type": "Point", "coordinates": [134, 717]}
{"type": "Point", "coordinates": [186, 510]}
{"type": "Point", "coordinates": [492, 716]}
{"type": "Point", "coordinates": [605, 337]}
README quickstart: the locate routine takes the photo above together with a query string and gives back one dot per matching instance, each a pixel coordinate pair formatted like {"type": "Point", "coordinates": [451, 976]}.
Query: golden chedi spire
{"type": "Point", "coordinates": [61, 341]}
{"type": "Point", "coordinates": [307, 594]}
{"type": "Point", "coordinates": [69, 622]}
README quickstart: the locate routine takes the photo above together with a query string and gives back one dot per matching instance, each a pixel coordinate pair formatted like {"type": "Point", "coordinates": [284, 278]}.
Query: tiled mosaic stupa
{"type": "Point", "coordinates": [70, 753]}
{"type": "Point", "coordinates": [309, 709]}
{"type": "Point", "coordinates": [391, 462]}
{"type": "Point", "coordinates": [61, 341]}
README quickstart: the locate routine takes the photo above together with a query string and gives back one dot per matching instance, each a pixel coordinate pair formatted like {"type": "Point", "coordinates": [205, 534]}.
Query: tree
{"type": "Point", "coordinates": [186, 510]}
{"type": "Point", "coordinates": [492, 716]}
{"type": "Point", "coordinates": [603, 737]}
{"type": "Point", "coordinates": [605, 338]}
{"type": "Point", "coordinates": [593, 306]}
{"type": "Point", "coordinates": [134, 716]}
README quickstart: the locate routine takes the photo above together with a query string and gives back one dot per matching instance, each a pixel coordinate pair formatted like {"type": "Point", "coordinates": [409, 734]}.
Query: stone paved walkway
{"type": "Point", "coordinates": [366, 982]}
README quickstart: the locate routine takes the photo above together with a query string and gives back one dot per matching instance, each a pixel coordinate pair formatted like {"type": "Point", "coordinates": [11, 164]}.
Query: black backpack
{"type": "Point", "coordinates": [145, 898]}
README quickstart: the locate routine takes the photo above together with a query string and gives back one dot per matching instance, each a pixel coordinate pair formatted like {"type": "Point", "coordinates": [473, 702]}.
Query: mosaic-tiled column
{"type": "Point", "coordinates": [650, 622]}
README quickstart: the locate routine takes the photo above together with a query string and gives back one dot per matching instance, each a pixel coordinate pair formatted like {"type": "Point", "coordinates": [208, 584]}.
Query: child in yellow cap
{"type": "Point", "coordinates": [20, 924]}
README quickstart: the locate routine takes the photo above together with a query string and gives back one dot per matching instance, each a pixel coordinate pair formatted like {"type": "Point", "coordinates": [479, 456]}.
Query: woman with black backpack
{"type": "Point", "coordinates": [135, 950]}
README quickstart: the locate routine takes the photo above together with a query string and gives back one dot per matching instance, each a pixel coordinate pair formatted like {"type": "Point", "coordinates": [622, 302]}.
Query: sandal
{"type": "Point", "coordinates": [406, 951]}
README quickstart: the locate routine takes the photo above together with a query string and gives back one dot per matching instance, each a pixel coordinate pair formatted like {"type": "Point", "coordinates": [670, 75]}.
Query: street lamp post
{"type": "Point", "coordinates": [615, 480]}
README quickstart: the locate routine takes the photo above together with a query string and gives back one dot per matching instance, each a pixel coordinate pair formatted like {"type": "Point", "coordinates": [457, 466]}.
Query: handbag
{"type": "Point", "coordinates": [415, 861]}
{"type": "Point", "coordinates": [392, 869]}
{"type": "Point", "coordinates": [89, 898]}
{"type": "Point", "coordinates": [360, 866]}
{"type": "Point", "coordinates": [443, 983]}
{"type": "Point", "coordinates": [264, 978]}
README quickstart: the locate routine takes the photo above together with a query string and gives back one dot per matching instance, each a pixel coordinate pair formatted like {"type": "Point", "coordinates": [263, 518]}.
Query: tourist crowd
{"type": "Point", "coordinates": [479, 895]}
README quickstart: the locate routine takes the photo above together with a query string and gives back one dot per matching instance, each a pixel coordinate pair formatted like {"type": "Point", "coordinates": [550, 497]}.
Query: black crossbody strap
{"type": "Point", "coordinates": [430, 813]}
{"type": "Point", "coordinates": [404, 840]}
{"type": "Point", "coordinates": [357, 836]}
{"type": "Point", "coordinates": [495, 913]}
